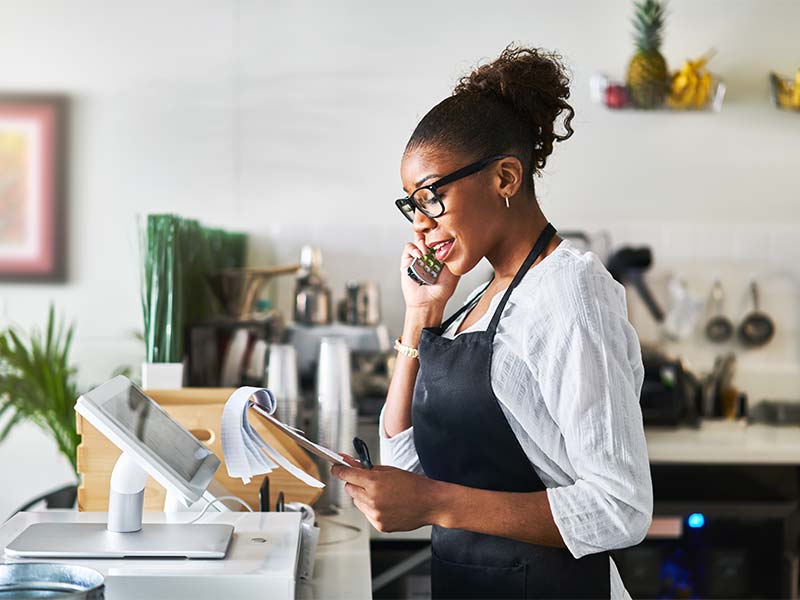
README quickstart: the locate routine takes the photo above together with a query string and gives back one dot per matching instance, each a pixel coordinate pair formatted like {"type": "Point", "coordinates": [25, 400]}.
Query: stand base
{"type": "Point", "coordinates": [94, 540]}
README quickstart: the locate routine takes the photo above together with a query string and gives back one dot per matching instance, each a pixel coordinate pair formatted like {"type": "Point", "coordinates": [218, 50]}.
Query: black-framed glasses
{"type": "Point", "coordinates": [427, 198]}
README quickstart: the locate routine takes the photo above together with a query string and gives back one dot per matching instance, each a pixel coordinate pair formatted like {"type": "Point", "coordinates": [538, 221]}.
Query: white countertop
{"type": "Point", "coordinates": [342, 568]}
{"type": "Point", "coordinates": [724, 442]}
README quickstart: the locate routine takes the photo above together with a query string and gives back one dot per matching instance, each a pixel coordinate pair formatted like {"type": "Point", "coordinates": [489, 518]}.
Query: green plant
{"type": "Point", "coordinates": [179, 256]}
{"type": "Point", "coordinates": [37, 383]}
{"type": "Point", "coordinates": [162, 300]}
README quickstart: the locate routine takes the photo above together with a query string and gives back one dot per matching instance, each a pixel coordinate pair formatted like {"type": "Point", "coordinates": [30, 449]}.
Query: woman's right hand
{"type": "Point", "coordinates": [424, 296]}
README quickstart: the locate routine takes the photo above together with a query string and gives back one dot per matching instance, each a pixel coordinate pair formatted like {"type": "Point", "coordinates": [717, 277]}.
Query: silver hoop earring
{"type": "Point", "coordinates": [507, 206]}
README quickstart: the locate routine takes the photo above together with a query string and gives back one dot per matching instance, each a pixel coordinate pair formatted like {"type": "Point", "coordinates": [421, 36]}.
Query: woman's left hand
{"type": "Point", "coordinates": [390, 498]}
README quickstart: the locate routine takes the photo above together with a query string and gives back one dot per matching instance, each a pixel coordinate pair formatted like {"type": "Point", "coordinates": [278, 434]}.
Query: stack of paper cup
{"type": "Point", "coordinates": [348, 421]}
{"type": "Point", "coordinates": [336, 412]}
{"type": "Point", "coordinates": [282, 382]}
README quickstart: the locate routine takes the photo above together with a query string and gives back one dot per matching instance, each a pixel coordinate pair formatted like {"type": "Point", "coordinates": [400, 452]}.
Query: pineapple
{"type": "Point", "coordinates": [648, 77]}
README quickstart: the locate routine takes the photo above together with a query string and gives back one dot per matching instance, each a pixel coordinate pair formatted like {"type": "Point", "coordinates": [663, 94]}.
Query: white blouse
{"type": "Point", "coordinates": [567, 372]}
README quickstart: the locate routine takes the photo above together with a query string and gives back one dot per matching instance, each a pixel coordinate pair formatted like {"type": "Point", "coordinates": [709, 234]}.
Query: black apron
{"type": "Point", "coordinates": [463, 437]}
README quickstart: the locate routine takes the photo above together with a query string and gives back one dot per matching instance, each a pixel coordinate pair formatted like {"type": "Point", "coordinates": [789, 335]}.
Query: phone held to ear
{"type": "Point", "coordinates": [425, 270]}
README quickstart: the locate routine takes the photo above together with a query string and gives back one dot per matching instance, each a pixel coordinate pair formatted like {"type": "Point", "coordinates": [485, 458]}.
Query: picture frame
{"type": "Point", "coordinates": [33, 187]}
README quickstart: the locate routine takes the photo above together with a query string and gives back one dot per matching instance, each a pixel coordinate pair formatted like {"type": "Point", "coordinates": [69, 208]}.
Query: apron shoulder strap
{"type": "Point", "coordinates": [468, 306]}
{"type": "Point", "coordinates": [541, 243]}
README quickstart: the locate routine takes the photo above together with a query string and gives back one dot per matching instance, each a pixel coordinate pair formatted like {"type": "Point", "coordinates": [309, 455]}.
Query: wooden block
{"type": "Point", "coordinates": [200, 411]}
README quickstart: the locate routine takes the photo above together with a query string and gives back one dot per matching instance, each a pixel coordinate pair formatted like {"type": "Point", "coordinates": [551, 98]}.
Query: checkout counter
{"type": "Point", "coordinates": [342, 568]}
{"type": "Point", "coordinates": [181, 553]}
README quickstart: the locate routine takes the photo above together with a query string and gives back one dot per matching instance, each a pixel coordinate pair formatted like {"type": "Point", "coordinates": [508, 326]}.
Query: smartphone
{"type": "Point", "coordinates": [425, 270]}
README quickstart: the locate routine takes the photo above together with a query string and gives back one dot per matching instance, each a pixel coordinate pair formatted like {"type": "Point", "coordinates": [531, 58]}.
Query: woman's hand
{"type": "Point", "coordinates": [424, 296]}
{"type": "Point", "coordinates": [390, 498]}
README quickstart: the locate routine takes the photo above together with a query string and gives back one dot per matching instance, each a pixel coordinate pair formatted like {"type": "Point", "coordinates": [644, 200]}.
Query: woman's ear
{"type": "Point", "coordinates": [509, 176]}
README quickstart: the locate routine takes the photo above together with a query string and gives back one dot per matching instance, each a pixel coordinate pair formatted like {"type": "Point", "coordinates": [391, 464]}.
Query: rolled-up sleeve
{"type": "Point", "coordinates": [399, 450]}
{"type": "Point", "coordinates": [591, 379]}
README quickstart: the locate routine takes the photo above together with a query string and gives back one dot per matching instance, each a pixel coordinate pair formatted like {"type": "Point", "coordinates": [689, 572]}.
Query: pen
{"type": "Point", "coordinates": [363, 452]}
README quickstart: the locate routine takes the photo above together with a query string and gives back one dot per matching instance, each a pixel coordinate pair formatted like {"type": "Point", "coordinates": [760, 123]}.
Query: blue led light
{"type": "Point", "coordinates": [696, 520]}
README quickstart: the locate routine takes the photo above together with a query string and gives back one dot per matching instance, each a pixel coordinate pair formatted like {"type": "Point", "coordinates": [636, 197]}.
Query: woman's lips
{"type": "Point", "coordinates": [443, 250]}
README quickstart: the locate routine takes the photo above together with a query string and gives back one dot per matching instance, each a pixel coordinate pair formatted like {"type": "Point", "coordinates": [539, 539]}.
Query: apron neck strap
{"type": "Point", "coordinates": [541, 243]}
{"type": "Point", "coordinates": [465, 307]}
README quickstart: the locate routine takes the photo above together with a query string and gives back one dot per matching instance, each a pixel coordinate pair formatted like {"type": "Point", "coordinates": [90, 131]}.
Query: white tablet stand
{"type": "Point", "coordinates": [124, 535]}
{"type": "Point", "coordinates": [126, 495]}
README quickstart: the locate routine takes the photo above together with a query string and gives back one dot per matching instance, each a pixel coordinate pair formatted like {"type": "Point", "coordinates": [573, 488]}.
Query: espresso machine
{"type": "Point", "coordinates": [357, 317]}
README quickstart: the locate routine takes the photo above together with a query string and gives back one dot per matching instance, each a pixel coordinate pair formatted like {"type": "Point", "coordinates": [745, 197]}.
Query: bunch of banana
{"type": "Point", "coordinates": [786, 95]}
{"type": "Point", "coordinates": [691, 87]}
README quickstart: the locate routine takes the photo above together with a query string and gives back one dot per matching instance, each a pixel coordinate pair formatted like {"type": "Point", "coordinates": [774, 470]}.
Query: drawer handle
{"type": "Point", "coordinates": [204, 435]}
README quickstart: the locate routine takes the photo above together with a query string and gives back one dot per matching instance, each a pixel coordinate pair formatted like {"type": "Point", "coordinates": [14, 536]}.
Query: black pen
{"type": "Point", "coordinates": [363, 452]}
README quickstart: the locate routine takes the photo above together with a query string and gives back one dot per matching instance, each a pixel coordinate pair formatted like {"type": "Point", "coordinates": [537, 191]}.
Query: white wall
{"type": "Point", "coordinates": [269, 116]}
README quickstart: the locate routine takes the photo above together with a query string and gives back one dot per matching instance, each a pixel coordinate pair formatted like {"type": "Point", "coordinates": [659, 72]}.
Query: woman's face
{"type": "Point", "coordinates": [470, 222]}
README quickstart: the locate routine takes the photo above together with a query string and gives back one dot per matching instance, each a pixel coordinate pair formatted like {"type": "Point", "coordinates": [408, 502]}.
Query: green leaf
{"type": "Point", "coordinates": [4, 407]}
{"type": "Point", "coordinates": [50, 324]}
{"type": "Point", "coordinates": [15, 418]}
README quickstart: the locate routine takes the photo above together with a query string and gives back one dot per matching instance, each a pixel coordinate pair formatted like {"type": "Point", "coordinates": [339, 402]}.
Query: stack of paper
{"type": "Point", "coordinates": [246, 453]}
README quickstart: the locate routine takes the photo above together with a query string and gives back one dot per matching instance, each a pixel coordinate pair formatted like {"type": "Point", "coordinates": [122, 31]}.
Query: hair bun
{"type": "Point", "coordinates": [535, 85]}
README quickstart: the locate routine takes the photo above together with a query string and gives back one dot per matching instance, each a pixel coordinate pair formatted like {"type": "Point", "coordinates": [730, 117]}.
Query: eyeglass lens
{"type": "Point", "coordinates": [427, 201]}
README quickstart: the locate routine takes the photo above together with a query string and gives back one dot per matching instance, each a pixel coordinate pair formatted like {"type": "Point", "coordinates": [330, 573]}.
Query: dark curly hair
{"type": "Point", "coordinates": [509, 105]}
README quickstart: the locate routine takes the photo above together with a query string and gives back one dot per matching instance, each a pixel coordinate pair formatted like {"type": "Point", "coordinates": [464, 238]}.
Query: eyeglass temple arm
{"type": "Point", "coordinates": [466, 171]}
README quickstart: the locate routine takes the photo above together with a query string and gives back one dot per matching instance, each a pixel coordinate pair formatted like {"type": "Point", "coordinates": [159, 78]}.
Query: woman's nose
{"type": "Point", "coordinates": [422, 222]}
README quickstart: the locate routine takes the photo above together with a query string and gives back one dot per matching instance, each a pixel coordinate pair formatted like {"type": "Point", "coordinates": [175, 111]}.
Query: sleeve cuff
{"type": "Point", "coordinates": [553, 497]}
{"type": "Point", "coordinates": [399, 450]}
{"type": "Point", "coordinates": [570, 521]}
{"type": "Point", "coordinates": [588, 523]}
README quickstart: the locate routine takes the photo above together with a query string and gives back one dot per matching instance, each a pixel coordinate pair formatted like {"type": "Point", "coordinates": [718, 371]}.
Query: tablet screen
{"type": "Point", "coordinates": [146, 421]}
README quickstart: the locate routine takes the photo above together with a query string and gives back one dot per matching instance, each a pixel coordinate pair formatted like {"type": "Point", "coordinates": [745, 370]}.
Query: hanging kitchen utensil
{"type": "Point", "coordinates": [628, 265]}
{"type": "Point", "coordinates": [757, 328]}
{"type": "Point", "coordinates": [681, 318]}
{"type": "Point", "coordinates": [719, 327]}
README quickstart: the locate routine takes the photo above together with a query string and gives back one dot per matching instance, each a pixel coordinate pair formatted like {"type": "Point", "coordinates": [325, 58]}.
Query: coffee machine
{"type": "Point", "coordinates": [357, 319]}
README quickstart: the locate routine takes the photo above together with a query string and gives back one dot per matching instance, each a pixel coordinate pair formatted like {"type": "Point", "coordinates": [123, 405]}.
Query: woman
{"type": "Point", "coordinates": [513, 427]}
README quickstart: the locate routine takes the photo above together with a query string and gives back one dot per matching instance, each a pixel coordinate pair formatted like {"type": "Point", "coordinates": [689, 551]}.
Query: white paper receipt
{"type": "Point", "coordinates": [246, 453]}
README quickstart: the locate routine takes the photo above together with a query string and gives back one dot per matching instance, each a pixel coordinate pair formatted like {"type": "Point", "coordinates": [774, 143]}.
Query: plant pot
{"type": "Point", "coordinates": [162, 376]}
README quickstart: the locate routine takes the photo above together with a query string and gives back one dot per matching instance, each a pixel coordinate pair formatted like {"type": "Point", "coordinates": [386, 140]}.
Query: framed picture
{"type": "Point", "coordinates": [33, 131]}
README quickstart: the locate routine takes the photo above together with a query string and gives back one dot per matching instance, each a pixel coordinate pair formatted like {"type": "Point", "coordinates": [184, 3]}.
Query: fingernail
{"type": "Point", "coordinates": [417, 253]}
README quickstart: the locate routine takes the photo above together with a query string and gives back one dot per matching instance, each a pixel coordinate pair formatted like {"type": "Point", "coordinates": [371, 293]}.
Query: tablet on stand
{"type": "Point", "coordinates": [152, 443]}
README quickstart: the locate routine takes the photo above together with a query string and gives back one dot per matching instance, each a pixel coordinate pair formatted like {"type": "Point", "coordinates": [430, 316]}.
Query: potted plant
{"type": "Point", "coordinates": [179, 258]}
{"type": "Point", "coordinates": [37, 383]}
{"type": "Point", "coordinates": [162, 302]}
